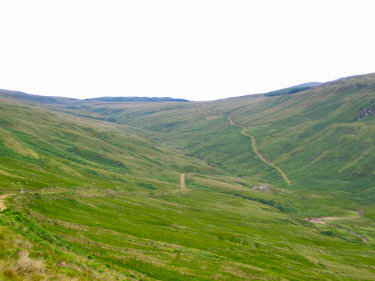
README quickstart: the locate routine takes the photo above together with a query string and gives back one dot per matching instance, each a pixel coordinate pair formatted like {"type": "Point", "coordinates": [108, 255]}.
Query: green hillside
{"type": "Point", "coordinates": [221, 190]}
{"type": "Point", "coordinates": [292, 90]}
{"type": "Point", "coordinates": [317, 136]}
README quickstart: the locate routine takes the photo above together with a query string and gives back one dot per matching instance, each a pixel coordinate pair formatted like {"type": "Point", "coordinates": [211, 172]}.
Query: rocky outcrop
{"type": "Point", "coordinates": [262, 188]}
{"type": "Point", "coordinates": [363, 113]}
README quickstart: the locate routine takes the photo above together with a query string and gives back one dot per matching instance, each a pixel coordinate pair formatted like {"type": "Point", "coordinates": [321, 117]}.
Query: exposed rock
{"type": "Point", "coordinates": [363, 113]}
{"type": "Point", "coordinates": [262, 187]}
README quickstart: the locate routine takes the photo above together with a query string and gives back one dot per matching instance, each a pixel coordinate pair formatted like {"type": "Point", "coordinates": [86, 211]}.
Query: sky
{"type": "Point", "coordinates": [198, 50]}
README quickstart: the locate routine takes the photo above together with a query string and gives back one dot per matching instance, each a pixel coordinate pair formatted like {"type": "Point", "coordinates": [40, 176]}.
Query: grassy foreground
{"type": "Point", "coordinates": [199, 234]}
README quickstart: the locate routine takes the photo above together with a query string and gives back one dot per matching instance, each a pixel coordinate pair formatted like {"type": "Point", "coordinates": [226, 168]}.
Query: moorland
{"type": "Point", "coordinates": [273, 186]}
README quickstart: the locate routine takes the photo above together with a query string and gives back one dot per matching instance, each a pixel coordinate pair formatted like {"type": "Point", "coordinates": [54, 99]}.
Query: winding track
{"type": "Point", "coordinates": [257, 151]}
{"type": "Point", "coordinates": [6, 195]}
{"type": "Point", "coordinates": [270, 163]}
{"type": "Point", "coordinates": [321, 221]}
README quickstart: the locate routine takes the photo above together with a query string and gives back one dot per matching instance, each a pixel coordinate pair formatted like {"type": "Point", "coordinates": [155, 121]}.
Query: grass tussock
{"type": "Point", "coordinates": [26, 265]}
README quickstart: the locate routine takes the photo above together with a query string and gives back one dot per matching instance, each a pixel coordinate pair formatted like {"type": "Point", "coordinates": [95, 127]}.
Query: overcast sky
{"type": "Point", "coordinates": [199, 50]}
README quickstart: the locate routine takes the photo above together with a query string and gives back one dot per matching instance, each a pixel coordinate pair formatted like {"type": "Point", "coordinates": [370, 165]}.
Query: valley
{"type": "Point", "coordinates": [119, 189]}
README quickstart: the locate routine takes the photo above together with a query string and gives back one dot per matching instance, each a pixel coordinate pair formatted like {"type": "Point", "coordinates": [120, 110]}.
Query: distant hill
{"type": "Point", "coordinates": [293, 89]}
{"type": "Point", "coordinates": [35, 98]}
{"type": "Point", "coordinates": [309, 84]}
{"type": "Point", "coordinates": [137, 99]}
{"type": "Point", "coordinates": [62, 100]}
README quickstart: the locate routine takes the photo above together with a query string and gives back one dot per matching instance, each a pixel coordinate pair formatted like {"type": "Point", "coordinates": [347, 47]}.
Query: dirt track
{"type": "Point", "coordinates": [4, 196]}
{"type": "Point", "coordinates": [321, 221]}
{"type": "Point", "coordinates": [257, 151]}
{"type": "Point", "coordinates": [269, 162]}
{"type": "Point", "coordinates": [182, 181]}
{"type": "Point", "coordinates": [2, 204]}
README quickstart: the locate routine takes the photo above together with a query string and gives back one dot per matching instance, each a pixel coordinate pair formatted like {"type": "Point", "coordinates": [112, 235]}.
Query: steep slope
{"type": "Point", "coordinates": [293, 89]}
{"type": "Point", "coordinates": [322, 137]}
{"type": "Point", "coordinates": [56, 149]}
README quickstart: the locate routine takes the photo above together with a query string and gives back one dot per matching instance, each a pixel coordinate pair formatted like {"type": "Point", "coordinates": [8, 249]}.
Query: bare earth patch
{"type": "Point", "coordinates": [2, 205]}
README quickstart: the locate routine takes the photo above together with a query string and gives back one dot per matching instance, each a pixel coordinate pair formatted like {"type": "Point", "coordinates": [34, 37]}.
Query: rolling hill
{"type": "Point", "coordinates": [137, 99]}
{"type": "Point", "coordinates": [167, 190]}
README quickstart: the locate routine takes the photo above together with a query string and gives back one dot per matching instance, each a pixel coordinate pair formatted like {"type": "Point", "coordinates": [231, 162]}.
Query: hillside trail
{"type": "Point", "coordinates": [260, 155]}
{"type": "Point", "coordinates": [182, 181]}
{"type": "Point", "coordinates": [2, 198]}
{"type": "Point", "coordinates": [6, 195]}
{"type": "Point", "coordinates": [321, 221]}
{"type": "Point", "coordinates": [270, 163]}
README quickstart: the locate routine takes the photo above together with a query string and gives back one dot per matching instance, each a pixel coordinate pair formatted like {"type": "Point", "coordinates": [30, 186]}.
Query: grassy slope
{"type": "Point", "coordinates": [48, 152]}
{"type": "Point", "coordinates": [68, 151]}
{"type": "Point", "coordinates": [194, 128]}
{"type": "Point", "coordinates": [131, 220]}
{"type": "Point", "coordinates": [314, 134]}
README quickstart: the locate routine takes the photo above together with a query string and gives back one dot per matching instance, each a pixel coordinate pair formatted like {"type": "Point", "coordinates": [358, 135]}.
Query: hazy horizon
{"type": "Point", "coordinates": [94, 97]}
{"type": "Point", "coordinates": [197, 51]}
